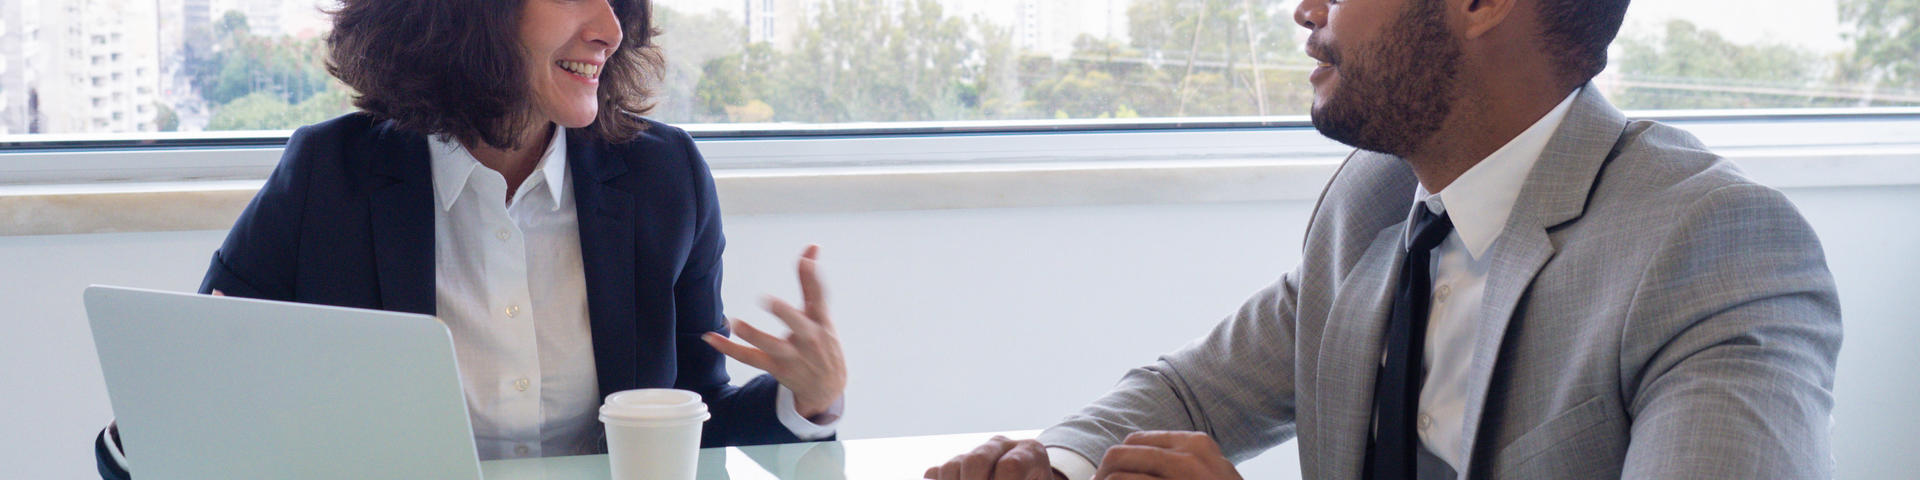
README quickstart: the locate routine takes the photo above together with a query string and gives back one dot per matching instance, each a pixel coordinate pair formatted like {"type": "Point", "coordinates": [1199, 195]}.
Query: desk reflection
{"type": "Point", "coordinates": [876, 458]}
{"type": "Point", "coordinates": [794, 461]}
{"type": "Point", "coordinates": [866, 459]}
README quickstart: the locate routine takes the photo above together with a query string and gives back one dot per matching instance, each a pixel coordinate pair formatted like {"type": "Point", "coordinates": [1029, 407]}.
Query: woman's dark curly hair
{"type": "Point", "coordinates": [455, 67]}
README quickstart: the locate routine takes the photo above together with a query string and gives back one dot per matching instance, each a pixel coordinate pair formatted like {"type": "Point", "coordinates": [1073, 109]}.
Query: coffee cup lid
{"type": "Point", "coordinates": [653, 406]}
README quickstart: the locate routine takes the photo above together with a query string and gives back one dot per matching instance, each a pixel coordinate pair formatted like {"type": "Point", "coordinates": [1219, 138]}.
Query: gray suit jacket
{"type": "Point", "coordinates": [1650, 313]}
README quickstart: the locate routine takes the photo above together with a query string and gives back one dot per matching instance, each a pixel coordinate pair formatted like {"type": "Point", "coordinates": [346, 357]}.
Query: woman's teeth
{"type": "Point", "coordinates": [581, 68]}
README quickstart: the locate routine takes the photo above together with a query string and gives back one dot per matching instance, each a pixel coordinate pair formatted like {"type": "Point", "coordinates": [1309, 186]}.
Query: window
{"type": "Point", "coordinates": [763, 65]}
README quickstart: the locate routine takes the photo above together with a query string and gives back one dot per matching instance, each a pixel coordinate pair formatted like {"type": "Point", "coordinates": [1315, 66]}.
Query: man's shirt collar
{"type": "Point", "coordinates": [1482, 199]}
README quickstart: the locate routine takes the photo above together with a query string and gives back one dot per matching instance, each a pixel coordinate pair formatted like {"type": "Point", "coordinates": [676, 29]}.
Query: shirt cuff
{"type": "Point", "coordinates": [1070, 464]}
{"type": "Point", "coordinates": [789, 416]}
{"type": "Point", "coordinates": [111, 436]}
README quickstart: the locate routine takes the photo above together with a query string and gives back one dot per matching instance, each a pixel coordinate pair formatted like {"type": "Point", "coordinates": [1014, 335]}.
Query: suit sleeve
{"type": "Point", "coordinates": [257, 260]}
{"type": "Point", "coordinates": [742, 415]}
{"type": "Point", "coordinates": [1729, 354]}
{"type": "Point", "coordinates": [1236, 384]}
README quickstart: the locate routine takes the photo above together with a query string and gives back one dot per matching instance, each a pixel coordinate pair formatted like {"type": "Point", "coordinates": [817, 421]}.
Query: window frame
{"type": "Point", "coordinates": [176, 157]}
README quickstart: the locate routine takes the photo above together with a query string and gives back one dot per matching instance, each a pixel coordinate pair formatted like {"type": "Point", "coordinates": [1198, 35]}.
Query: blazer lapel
{"type": "Point", "coordinates": [1350, 353]}
{"type": "Point", "coordinates": [606, 216]}
{"type": "Point", "coordinates": [400, 191]}
{"type": "Point", "coordinates": [1555, 193]}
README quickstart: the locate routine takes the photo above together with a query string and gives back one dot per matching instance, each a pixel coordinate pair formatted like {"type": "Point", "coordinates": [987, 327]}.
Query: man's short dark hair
{"type": "Point", "coordinates": [454, 67]}
{"type": "Point", "coordinates": [1577, 33]}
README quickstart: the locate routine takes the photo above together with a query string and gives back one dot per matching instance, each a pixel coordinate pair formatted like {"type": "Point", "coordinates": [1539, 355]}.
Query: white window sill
{"type": "Point", "coordinates": [206, 189]}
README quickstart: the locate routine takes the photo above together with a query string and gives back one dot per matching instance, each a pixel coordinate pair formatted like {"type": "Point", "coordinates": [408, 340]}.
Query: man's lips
{"type": "Point", "coordinates": [1320, 54]}
{"type": "Point", "coordinates": [1324, 65]}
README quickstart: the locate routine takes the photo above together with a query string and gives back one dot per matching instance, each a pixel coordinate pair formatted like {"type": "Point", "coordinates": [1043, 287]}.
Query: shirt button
{"type": "Point", "coordinates": [1425, 422]}
{"type": "Point", "coordinates": [1440, 294]}
{"type": "Point", "coordinates": [521, 450]}
{"type": "Point", "coordinates": [503, 234]}
{"type": "Point", "coordinates": [513, 311]}
{"type": "Point", "coordinates": [522, 384]}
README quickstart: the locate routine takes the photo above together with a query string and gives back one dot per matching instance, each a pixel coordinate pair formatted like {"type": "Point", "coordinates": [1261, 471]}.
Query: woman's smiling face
{"type": "Point", "coordinates": [566, 42]}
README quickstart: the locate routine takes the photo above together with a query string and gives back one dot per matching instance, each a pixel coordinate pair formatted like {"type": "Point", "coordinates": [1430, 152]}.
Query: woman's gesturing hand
{"type": "Point", "coordinates": [808, 360]}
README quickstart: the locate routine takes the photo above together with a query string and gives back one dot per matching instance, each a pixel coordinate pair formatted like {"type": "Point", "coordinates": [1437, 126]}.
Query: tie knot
{"type": "Point", "coordinates": [1429, 229]}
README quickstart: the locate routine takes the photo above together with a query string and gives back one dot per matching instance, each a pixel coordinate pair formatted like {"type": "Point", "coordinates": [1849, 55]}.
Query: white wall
{"type": "Point", "coordinates": [972, 320]}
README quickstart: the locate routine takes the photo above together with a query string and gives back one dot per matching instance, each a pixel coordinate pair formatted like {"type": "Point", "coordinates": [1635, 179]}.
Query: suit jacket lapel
{"type": "Point", "coordinates": [1555, 193]}
{"type": "Point", "coordinates": [606, 215]}
{"type": "Point", "coordinates": [1351, 349]}
{"type": "Point", "coordinates": [400, 197]}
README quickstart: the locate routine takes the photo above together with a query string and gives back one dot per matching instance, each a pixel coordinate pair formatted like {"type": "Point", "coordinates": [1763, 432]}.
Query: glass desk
{"type": "Point", "coordinates": [878, 458]}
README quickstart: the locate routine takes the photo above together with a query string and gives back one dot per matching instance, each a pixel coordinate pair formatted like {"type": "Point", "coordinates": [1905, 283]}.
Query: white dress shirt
{"type": "Point", "coordinates": [1479, 202]}
{"type": "Point", "coordinates": [510, 285]}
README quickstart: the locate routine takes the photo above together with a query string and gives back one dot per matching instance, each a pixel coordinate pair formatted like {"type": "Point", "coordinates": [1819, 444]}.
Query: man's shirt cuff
{"type": "Point", "coordinates": [789, 416]}
{"type": "Point", "coordinates": [1070, 464]}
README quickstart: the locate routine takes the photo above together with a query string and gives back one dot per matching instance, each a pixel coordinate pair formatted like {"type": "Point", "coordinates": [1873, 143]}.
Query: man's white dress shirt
{"type": "Point", "coordinates": [1479, 203]}
{"type": "Point", "coordinates": [510, 285]}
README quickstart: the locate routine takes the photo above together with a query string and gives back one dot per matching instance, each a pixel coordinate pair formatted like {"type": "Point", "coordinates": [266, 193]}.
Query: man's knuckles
{"type": "Point", "coordinates": [1013, 465]}
{"type": "Point", "coordinates": [977, 463]}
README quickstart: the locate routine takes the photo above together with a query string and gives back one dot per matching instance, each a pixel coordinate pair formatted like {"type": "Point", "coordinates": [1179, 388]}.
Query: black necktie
{"type": "Point", "coordinates": [1396, 392]}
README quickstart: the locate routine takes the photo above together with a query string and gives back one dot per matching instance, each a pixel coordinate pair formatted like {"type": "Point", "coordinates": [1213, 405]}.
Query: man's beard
{"type": "Point", "coordinates": [1392, 97]}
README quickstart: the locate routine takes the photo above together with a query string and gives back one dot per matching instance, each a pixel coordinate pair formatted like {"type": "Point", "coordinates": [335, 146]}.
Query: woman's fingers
{"type": "Point", "coordinates": [795, 319]}
{"type": "Point", "coordinates": [774, 346]}
{"type": "Point", "coordinates": [745, 354]}
{"type": "Point", "coordinates": [813, 292]}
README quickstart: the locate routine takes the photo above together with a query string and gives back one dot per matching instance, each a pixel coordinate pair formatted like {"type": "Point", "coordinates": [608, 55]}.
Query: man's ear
{"type": "Point", "coordinates": [1481, 16]}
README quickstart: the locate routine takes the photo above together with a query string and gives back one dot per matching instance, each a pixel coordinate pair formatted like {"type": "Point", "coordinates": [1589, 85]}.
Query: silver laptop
{"type": "Point", "coordinates": [215, 387]}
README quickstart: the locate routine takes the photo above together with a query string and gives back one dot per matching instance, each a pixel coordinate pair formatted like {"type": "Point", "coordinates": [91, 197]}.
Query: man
{"type": "Point", "coordinates": [1509, 279]}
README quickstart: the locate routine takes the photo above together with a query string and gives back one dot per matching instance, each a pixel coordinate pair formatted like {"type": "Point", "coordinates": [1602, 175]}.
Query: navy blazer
{"type": "Point", "coordinates": [346, 219]}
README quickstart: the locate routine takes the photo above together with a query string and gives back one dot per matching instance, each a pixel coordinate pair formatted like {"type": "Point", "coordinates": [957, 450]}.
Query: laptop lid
{"type": "Point", "coordinates": [220, 387]}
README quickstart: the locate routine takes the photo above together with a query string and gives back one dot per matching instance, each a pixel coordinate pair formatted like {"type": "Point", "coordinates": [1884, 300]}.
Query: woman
{"type": "Point", "coordinates": [500, 177]}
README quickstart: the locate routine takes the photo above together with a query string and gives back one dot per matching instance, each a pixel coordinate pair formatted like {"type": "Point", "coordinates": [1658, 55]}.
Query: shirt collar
{"type": "Point", "coordinates": [1481, 200]}
{"type": "Point", "coordinates": [453, 166]}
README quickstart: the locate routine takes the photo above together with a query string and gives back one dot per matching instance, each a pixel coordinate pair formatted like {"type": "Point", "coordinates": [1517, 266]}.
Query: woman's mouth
{"type": "Point", "coordinates": [586, 71]}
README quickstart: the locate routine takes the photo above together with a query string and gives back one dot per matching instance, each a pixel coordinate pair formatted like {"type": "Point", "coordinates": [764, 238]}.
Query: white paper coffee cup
{"type": "Point", "coordinates": [654, 433]}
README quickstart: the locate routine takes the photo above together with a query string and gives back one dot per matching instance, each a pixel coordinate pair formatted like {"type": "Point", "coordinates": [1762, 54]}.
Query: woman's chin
{"type": "Point", "coordinates": [577, 120]}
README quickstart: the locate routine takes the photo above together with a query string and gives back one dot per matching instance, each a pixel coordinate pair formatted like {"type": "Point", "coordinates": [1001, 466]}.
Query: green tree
{"type": "Point", "coordinates": [1686, 67]}
{"type": "Point", "coordinates": [267, 111]}
{"type": "Point", "coordinates": [165, 118]}
{"type": "Point", "coordinates": [866, 61]}
{"type": "Point", "coordinates": [731, 83]}
{"type": "Point", "coordinates": [693, 40]}
{"type": "Point", "coordinates": [1886, 42]}
{"type": "Point", "coordinates": [907, 60]}
{"type": "Point", "coordinates": [1184, 58]}
{"type": "Point", "coordinates": [240, 63]}
{"type": "Point", "coordinates": [289, 68]}
{"type": "Point", "coordinates": [871, 60]}
{"type": "Point", "coordinates": [996, 91]}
